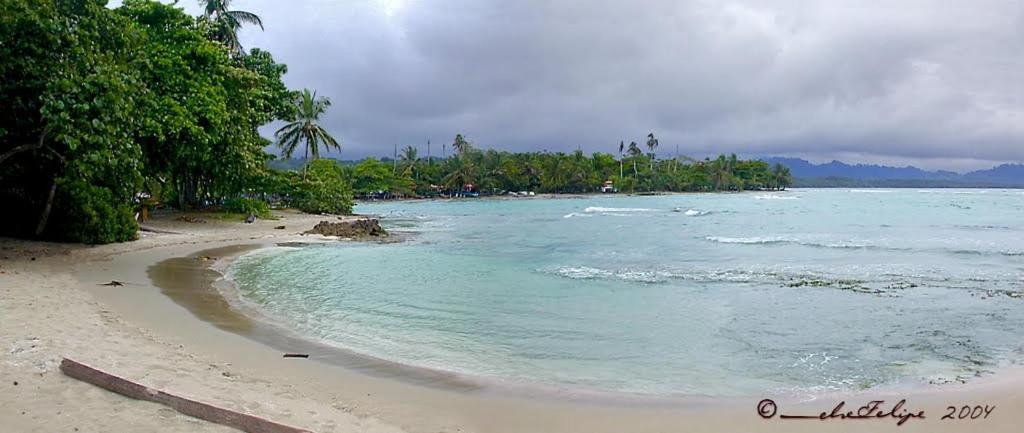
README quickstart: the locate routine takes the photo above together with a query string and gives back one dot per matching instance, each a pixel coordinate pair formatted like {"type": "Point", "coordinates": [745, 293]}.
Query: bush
{"type": "Point", "coordinates": [248, 206]}
{"type": "Point", "coordinates": [324, 189]}
{"type": "Point", "coordinates": [90, 215]}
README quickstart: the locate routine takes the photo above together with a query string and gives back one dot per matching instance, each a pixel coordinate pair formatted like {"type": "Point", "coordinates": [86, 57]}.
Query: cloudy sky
{"type": "Point", "coordinates": [939, 84]}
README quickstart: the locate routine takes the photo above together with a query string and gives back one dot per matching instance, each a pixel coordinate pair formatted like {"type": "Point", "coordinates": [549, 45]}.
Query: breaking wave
{"type": "Point", "coordinates": [597, 209]}
{"type": "Point", "coordinates": [695, 212]}
{"type": "Point", "coordinates": [854, 245]}
{"type": "Point", "coordinates": [752, 240]}
{"type": "Point", "coordinates": [634, 275]}
{"type": "Point", "coordinates": [774, 197]}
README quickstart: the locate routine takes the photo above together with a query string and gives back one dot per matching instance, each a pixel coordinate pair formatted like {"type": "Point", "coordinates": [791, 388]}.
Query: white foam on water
{"type": "Point", "coordinates": [774, 197]}
{"type": "Point", "coordinates": [695, 212]}
{"type": "Point", "coordinates": [750, 240]}
{"type": "Point", "coordinates": [575, 214]}
{"type": "Point", "coordinates": [643, 276]}
{"type": "Point", "coordinates": [947, 191]}
{"type": "Point", "coordinates": [596, 209]}
{"type": "Point", "coordinates": [582, 272]}
{"type": "Point", "coordinates": [633, 275]}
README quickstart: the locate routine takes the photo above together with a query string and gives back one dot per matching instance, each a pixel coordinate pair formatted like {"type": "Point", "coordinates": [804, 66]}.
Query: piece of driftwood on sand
{"type": "Point", "coordinates": [203, 411]}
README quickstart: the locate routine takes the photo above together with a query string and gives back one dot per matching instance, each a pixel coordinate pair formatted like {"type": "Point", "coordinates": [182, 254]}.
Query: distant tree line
{"type": "Point", "coordinates": [493, 171]}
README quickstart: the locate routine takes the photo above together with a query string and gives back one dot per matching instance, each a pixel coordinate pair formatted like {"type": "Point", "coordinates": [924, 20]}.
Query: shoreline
{"type": "Point", "coordinates": [270, 331]}
{"type": "Point", "coordinates": [55, 306]}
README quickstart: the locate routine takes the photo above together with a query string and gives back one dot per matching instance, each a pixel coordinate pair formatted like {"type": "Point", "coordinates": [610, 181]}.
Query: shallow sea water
{"type": "Point", "coordinates": [802, 291]}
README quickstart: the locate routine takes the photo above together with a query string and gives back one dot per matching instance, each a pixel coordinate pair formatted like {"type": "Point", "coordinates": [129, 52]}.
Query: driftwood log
{"type": "Point", "coordinates": [203, 411]}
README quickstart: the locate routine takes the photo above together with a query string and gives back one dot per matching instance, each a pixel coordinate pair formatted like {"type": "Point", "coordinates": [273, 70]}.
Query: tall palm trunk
{"type": "Point", "coordinates": [305, 161]}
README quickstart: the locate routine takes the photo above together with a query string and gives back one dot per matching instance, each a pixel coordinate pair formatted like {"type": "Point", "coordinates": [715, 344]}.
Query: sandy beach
{"type": "Point", "coordinates": [167, 328]}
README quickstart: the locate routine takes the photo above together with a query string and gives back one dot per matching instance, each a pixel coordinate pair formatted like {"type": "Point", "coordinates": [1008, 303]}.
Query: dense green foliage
{"type": "Point", "coordinates": [71, 98]}
{"type": "Point", "coordinates": [494, 171]}
{"type": "Point", "coordinates": [247, 206]}
{"type": "Point", "coordinates": [323, 189]}
{"type": "Point", "coordinates": [102, 105]}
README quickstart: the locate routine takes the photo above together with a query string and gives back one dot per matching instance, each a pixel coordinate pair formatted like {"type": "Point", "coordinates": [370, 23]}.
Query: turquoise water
{"type": "Point", "coordinates": [710, 294]}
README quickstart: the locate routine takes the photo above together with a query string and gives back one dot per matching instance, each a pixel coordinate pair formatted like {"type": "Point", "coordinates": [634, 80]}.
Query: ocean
{"type": "Point", "coordinates": [803, 291]}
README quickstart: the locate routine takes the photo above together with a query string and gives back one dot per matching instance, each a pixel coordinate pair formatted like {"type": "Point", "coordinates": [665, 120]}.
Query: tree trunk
{"type": "Point", "coordinates": [305, 161]}
{"type": "Point", "coordinates": [46, 209]}
{"type": "Point", "coordinates": [27, 147]}
{"type": "Point", "coordinates": [188, 192]}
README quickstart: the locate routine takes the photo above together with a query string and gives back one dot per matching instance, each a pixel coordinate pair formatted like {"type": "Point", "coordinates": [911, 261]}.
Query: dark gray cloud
{"type": "Point", "coordinates": [935, 83]}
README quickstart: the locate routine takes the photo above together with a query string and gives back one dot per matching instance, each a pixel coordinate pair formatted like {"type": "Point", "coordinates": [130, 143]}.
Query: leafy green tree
{"type": "Point", "coordinates": [324, 189]}
{"type": "Point", "coordinates": [199, 128]}
{"type": "Point", "coordinates": [371, 176]}
{"type": "Point", "coordinates": [67, 159]}
{"type": "Point", "coordinates": [306, 129]}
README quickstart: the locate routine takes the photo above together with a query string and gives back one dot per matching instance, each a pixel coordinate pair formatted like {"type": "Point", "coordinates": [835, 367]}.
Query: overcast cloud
{"type": "Point", "coordinates": [939, 84]}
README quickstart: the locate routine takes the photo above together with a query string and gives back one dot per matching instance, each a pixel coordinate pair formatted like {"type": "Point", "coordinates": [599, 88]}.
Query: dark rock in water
{"type": "Point", "coordinates": [279, 228]}
{"type": "Point", "coordinates": [365, 227]}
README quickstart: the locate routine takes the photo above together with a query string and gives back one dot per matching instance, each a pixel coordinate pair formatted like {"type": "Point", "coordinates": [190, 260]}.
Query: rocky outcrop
{"type": "Point", "coordinates": [360, 228]}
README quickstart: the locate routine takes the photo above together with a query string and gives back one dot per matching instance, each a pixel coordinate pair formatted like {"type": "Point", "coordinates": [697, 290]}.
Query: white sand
{"type": "Point", "coordinates": [54, 306]}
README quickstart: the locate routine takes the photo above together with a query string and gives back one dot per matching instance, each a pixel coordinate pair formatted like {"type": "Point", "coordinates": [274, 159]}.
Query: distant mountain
{"type": "Point", "coordinates": [838, 173]}
{"type": "Point", "coordinates": [1006, 173]}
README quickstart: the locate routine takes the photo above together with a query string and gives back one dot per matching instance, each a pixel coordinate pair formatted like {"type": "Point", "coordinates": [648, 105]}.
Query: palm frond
{"type": "Point", "coordinates": [328, 140]}
{"type": "Point", "coordinates": [245, 17]}
{"type": "Point", "coordinates": [211, 6]}
{"type": "Point", "coordinates": [288, 127]}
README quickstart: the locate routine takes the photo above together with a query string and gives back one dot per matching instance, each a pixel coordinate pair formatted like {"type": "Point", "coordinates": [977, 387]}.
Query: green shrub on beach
{"type": "Point", "coordinates": [91, 215]}
{"type": "Point", "coordinates": [248, 206]}
{"type": "Point", "coordinates": [323, 189]}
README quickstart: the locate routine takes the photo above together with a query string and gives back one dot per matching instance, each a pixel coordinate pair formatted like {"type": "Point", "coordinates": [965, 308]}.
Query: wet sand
{"type": "Point", "coordinates": [169, 327]}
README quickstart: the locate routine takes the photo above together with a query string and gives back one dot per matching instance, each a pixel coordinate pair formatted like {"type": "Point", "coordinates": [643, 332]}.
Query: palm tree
{"type": "Point", "coordinates": [306, 127]}
{"type": "Point", "coordinates": [409, 157]}
{"type": "Point", "coordinates": [721, 171]}
{"type": "Point", "coordinates": [460, 145]}
{"type": "Point", "coordinates": [780, 176]}
{"type": "Point", "coordinates": [622, 146]}
{"type": "Point", "coordinates": [634, 152]}
{"type": "Point", "coordinates": [460, 173]}
{"type": "Point", "coordinates": [652, 144]}
{"type": "Point", "coordinates": [228, 22]}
